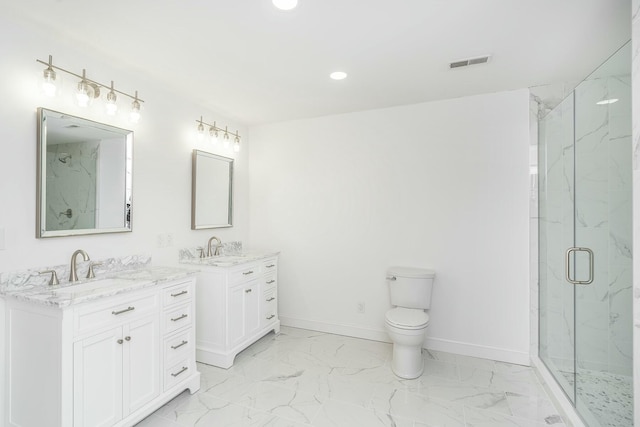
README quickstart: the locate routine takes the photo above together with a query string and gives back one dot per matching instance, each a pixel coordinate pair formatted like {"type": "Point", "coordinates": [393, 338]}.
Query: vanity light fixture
{"type": "Point", "coordinates": [214, 135]}
{"type": "Point", "coordinates": [88, 89]}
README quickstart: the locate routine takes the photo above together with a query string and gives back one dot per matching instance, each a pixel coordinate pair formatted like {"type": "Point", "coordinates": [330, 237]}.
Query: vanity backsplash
{"type": "Point", "coordinates": [10, 281]}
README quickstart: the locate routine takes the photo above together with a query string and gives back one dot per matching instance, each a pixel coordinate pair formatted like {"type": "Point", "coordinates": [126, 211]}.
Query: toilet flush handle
{"type": "Point", "coordinates": [392, 278]}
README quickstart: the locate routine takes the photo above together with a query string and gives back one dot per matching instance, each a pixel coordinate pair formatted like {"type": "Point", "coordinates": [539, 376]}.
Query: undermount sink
{"type": "Point", "coordinates": [90, 286]}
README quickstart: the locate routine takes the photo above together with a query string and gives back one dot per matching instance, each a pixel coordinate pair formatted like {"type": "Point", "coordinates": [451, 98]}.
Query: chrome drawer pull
{"type": "Point", "coordinates": [120, 341]}
{"type": "Point", "coordinates": [184, 368]}
{"type": "Point", "coordinates": [179, 318]}
{"type": "Point", "coordinates": [127, 338]}
{"type": "Point", "coordinates": [115, 313]}
{"type": "Point", "coordinates": [175, 347]}
{"type": "Point", "coordinates": [246, 291]}
{"type": "Point", "coordinates": [270, 282]}
{"type": "Point", "coordinates": [271, 317]}
{"type": "Point", "coordinates": [270, 299]}
{"type": "Point", "coordinates": [248, 272]}
{"type": "Point", "coordinates": [179, 293]}
{"type": "Point", "coordinates": [271, 265]}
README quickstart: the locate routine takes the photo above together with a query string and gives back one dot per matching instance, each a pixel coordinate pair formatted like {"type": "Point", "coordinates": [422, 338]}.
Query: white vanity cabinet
{"type": "Point", "coordinates": [107, 362]}
{"type": "Point", "coordinates": [236, 306]}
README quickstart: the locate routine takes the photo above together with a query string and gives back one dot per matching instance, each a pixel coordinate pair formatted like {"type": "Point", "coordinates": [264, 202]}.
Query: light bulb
{"type": "Point", "coordinates": [49, 82]}
{"type": "Point", "coordinates": [285, 4]}
{"type": "Point", "coordinates": [111, 105]}
{"type": "Point", "coordinates": [236, 145]}
{"type": "Point", "coordinates": [82, 94]}
{"type": "Point", "coordinates": [134, 115]}
{"type": "Point", "coordinates": [213, 135]}
{"type": "Point", "coordinates": [225, 140]}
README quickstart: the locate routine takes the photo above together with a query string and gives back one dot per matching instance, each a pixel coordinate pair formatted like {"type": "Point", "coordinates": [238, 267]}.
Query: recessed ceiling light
{"type": "Point", "coordinates": [338, 75]}
{"type": "Point", "coordinates": [285, 4]}
{"type": "Point", "coordinates": [607, 101]}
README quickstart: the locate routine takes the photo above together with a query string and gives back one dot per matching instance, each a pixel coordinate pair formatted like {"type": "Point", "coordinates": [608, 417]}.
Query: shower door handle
{"type": "Point", "coordinates": [567, 268]}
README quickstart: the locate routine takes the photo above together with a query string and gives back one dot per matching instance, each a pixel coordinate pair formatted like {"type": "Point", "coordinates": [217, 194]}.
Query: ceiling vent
{"type": "Point", "coordinates": [470, 61]}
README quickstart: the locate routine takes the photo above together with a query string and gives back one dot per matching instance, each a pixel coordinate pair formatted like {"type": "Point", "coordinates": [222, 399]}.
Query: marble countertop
{"type": "Point", "coordinates": [68, 294]}
{"type": "Point", "coordinates": [229, 260]}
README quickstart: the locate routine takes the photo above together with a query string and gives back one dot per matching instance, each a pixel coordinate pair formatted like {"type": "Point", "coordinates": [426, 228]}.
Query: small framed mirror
{"type": "Point", "coordinates": [84, 176]}
{"type": "Point", "coordinates": [211, 191]}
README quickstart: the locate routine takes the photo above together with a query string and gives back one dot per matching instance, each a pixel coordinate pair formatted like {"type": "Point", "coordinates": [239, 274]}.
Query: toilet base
{"type": "Point", "coordinates": [407, 362]}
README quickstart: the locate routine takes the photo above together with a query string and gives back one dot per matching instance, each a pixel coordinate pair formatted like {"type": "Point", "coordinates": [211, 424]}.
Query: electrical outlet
{"type": "Point", "coordinates": [160, 241]}
{"type": "Point", "coordinates": [361, 307]}
{"type": "Point", "coordinates": [169, 239]}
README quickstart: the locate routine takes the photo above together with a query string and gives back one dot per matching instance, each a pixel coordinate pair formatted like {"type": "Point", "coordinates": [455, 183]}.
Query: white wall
{"type": "Point", "coordinates": [443, 185]}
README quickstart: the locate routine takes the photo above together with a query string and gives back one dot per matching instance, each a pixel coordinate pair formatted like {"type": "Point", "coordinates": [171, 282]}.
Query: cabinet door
{"type": "Point", "coordinates": [252, 302]}
{"type": "Point", "coordinates": [97, 380]}
{"type": "Point", "coordinates": [141, 363]}
{"type": "Point", "coordinates": [235, 317]}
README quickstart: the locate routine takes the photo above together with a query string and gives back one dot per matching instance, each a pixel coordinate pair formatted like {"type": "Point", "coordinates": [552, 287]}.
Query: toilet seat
{"type": "Point", "coordinates": [407, 318]}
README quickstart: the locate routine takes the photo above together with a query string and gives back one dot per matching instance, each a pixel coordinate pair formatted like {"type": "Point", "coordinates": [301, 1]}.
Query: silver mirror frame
{"type": "Point", "coordinates": [198, 192]}
{"type": "Point", "coordinates": [41, 174]}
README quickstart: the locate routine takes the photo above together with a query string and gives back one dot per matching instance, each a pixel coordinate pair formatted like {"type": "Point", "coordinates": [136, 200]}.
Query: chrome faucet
{"type": "Point", "coordinates": [217, 250]}
{"type": "Point", "coordinates": [73, 275]}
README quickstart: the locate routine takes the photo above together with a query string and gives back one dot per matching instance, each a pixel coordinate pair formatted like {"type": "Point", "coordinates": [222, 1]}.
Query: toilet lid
{"type": "Point", "coordinates": [408, 318]}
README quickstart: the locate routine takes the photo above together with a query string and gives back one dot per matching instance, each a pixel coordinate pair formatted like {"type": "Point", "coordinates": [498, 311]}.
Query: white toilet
{"type": "Point", "coordinates": [410, 291]}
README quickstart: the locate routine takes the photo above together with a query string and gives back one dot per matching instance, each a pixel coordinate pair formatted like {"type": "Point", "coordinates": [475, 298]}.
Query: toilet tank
{"type": "Point", "coordinates": [411, 287]}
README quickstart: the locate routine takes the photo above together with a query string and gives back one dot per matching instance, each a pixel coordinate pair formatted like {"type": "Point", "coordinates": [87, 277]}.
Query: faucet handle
{"type": "Point", "coordinates": [90, 272]}
{"type": "Point", "coordinates": [201, 252]}
{"type": "Point", "coordinates": [54, 277]}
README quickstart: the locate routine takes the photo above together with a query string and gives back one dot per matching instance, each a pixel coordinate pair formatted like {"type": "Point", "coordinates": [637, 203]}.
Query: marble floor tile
{"type": "Point", "coordinates": [314, 379]}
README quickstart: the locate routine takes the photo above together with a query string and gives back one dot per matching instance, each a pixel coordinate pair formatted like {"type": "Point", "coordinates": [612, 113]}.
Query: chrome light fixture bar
{"type": "Point", "coordinates": [214, 133]}
{"type": "Point", "coordinates": [88, 89]}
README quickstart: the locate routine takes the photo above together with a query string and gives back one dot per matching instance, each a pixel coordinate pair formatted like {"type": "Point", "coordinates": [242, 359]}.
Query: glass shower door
{"type": "Point", "coordinates": [585, 225]}
{"type": "Point", "coordinates": [603, 214]}
{"type": "Point", "coordinates": [556, 228]}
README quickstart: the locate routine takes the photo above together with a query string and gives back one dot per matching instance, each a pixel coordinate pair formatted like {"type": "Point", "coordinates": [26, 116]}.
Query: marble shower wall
{"type": "Point", "coordinates": [635, 73]}
{"type": "Point", "coordinates": [71, 184]}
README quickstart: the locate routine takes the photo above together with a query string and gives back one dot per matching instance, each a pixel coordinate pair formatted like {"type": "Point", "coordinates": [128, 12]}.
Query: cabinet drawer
{"type": "Point", "coordinates": [244, 274]}
{"type": "Point", "coordinates": [269, 305]}
{"type": "Point", "coordinates": [97, 316]}
{"type": "Point", "coordinates": [177, 318]}
{"type": "Point", "coordinates": [176, 373]}
{"type": "Point", "coordinates": [178, 347]}
{"type": "Point", "coordinates": [177, 294]}
{"type": "Point", "coordinates": [270, 265]}
{"type": "Point", "coordinates": [270, 281]}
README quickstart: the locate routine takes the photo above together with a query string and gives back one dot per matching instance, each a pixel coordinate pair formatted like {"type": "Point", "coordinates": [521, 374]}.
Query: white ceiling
{"type": "Point", "coordinates": [256, 64]}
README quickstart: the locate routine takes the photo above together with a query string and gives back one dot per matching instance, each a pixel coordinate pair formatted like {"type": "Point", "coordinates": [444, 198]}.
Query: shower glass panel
{"type": "Point", "coordinates": [585, 204]}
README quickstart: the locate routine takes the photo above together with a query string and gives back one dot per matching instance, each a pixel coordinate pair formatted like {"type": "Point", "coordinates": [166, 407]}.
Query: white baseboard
{"type": "Point", "coordinates": [466, 349]}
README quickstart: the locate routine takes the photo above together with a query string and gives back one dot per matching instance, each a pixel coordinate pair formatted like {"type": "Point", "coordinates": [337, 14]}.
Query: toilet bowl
{"type": "Point", "coordinates": [406, 323]}
{"type": "Point", "coordinates": [407, 328]}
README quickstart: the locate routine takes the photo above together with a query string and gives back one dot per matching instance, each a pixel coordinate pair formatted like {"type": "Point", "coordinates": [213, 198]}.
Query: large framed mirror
{"type": "Point", "coordinates": [84, 176]}
{"type": "Point", "coordinates": [211, 191]}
